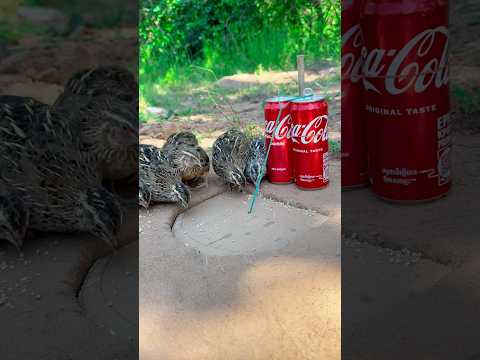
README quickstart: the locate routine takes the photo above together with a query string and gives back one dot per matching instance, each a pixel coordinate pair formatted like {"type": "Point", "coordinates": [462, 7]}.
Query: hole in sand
{"type": "Point", "coordinates": [221, 226]}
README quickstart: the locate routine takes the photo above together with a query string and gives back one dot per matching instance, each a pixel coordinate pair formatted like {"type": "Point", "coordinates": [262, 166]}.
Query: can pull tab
{"type": "Point", "coordinates": [308, 92]}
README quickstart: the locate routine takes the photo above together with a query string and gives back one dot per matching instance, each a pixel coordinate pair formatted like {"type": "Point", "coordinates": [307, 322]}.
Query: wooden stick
{"type": "Point", "coordinates": [301, 74]}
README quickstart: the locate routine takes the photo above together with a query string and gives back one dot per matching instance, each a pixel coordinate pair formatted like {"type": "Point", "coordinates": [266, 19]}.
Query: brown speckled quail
{"type": "Point", "coordinates": [184, 153]}
{"type": "Point", "coordinates": [229, 158]}
{"type": "Point", "coordinates": [159, 181]}
{"type": "Point", "coordinates": [40, 156]}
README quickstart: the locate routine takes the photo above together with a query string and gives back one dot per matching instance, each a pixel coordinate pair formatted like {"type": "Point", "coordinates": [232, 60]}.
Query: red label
{"type": "Point", "coordinates": [407, 102]}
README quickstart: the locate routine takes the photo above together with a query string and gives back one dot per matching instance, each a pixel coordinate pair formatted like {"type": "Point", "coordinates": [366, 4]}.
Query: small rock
{"type": "Point", "coordinates": [160, 112]}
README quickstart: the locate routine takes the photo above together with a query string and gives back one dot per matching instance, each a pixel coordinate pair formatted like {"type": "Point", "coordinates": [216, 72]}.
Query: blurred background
{"type": "Point", "coordinates": [207, 65]}
{"type": "Point", "coordinates": [43, 42]}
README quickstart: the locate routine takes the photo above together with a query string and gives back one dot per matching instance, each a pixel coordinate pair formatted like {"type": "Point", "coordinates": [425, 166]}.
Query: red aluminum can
{"type": "Point", "coordinates": [280, 162]}
{"type": "Point", "coordinates": [354, 127]}
{"type": "Point", "coordinates": [310, 142]}
{"type": "Point", "coordinates": [405, 77]}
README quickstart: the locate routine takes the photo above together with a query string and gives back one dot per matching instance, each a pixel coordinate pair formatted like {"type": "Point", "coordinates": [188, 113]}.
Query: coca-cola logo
{"type": "Point", "coordinates": [315, 131]}
{"type": "Point", "coordinates": [283, 128]}
{"type": "Point", "coordinates": [400, 76]}
{"type": "Point", "coordinates": [352, 40]}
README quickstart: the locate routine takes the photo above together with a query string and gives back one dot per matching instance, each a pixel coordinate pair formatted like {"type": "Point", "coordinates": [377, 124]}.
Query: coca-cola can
{"type": "Point", "coordinates": [354, 129]}
{"type": "Point", "coordinates": [309, 135]}
{"type": "Point", "coordinates": [279, 163]}
{"type": "Point", "coordinates": [405, 77]}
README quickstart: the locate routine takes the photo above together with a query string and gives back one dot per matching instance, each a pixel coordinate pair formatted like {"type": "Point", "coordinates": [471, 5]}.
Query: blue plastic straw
{"type": "Point", "coordinates": [264, 167]}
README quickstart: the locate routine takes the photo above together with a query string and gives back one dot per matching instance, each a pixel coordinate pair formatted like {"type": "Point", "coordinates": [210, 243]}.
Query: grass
{"type": "Point", "coordinates": [468, 100]}
{"type": "Point", "coordinates": [272, 49]}
{"type": "Point", "coordinates": [204, 97]}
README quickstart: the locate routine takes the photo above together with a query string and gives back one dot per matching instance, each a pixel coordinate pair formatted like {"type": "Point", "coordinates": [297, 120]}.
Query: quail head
{"type": "Point", "coordinates": [151, 154]}
{"type": "Point", "coordinates": [102, 215]}
{"type": "Point", "coordinates": [256, 157]}
{"type": "Point", "coordinates": [103, 103]}
{"type": "Point", "coordinates": [181, 138]}
{"type": "Point", "coordinates": [229, 158]}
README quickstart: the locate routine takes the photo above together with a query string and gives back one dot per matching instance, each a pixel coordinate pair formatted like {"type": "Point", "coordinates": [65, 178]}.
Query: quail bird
{"type": "Point", "coordinates": [184, 153]}
{"type": "Point", "coordinates": [256, 156]}
{"type": "Point", "coordinates": [159, 181]}
{"type": "Point", "coordinates": [229, 158]}
{"type": "Point", "coordinates": [40, 155]}
{"type": "Point", "coordinates": [103, 102]}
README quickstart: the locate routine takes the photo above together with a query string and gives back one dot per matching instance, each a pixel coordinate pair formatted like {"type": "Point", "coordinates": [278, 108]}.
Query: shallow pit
{"type": "Point", "coordinates": [222, 226]}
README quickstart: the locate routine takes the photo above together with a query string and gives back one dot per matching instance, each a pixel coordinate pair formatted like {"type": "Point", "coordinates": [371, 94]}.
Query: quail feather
{"type": "Point", "coordinates": [184, 153]}
{"type": "Point", "coordinates": [144, 194]}
{"type": "Point", "coordinates": [40, 154]}
{"type": "Point", "coordinates": [180, 138]}
{"type": "Point", "coordinates": [19, 105]}
{"type": "Point", "coordinates": [159, 181]}
{"type": "Point", "coordinates": [229, 158]}
{"type": "Point", "coordinates": [150, 154]}
{"type": "Point", "coordinates": [256, 157]}
{"type": "Point", "coordinates": [103, 102]}
{"type": "Point", "coordinates": [14, 216]}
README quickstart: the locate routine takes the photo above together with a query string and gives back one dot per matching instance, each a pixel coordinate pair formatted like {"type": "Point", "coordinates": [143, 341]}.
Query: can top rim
{"type": "Point", "coordinates": [279, 99]}
{"type": "Point", "coordinates": [309, 99]}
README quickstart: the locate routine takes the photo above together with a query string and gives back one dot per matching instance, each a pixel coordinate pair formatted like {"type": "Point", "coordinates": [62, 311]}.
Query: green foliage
{"type": "Point", "coordinates": [334, 146]}
{"type": "Point", "coordinates": [468, 100]}
{"type": "Point", "coordinates": [199, 40]}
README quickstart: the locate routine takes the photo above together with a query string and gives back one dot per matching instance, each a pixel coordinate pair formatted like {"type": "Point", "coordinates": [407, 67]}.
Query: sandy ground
{"type": "Point", "coordinates": [239, 286]}
{"type": "Point", "coordinates": [425, 259]}
{"type": "Point", "coordinates": [48, 314]}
